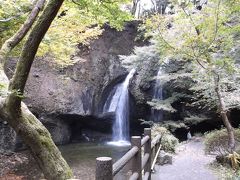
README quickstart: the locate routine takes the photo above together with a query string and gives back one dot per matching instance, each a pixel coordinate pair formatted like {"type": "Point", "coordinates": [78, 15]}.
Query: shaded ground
{"type": "Point", "coordinates": [189, 163]}
{"type": "Point", "coordinates": [80, 157]}
{"type": "Point", "coordinates": [18, 166]}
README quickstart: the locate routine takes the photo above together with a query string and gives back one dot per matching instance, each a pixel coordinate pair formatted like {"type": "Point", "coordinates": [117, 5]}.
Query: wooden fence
{"type": "Point", "coordinates": [142, 164]}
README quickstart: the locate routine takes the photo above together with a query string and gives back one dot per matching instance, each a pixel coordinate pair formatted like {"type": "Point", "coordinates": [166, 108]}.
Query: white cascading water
{"type": "Point", "coordinates": [112, 100]}
{"type": "Point", "coordinates": [119, 103]}
{"type": "Point", "coordinates": [157, 115]}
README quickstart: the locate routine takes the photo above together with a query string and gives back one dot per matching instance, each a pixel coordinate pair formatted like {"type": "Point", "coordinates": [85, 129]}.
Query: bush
{"type": "Point", "coordinates": [225, 172]}
{"type": "Point", "coordinates": [216, 142]}
{"type": "Point", "coordinates": [168, 140]}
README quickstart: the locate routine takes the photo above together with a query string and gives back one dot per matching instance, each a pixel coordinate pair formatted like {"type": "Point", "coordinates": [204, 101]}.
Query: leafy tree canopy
{"type": "Point", "coordinates": [78, 21]}
{"type": "Point", "coordinates": [207, 38]}
{"type": "Point", "coordinates": [12, 15]}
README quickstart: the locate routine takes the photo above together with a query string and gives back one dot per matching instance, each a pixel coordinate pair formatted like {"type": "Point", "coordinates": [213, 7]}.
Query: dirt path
{"type": "Point", "coordinates": [189, 163]}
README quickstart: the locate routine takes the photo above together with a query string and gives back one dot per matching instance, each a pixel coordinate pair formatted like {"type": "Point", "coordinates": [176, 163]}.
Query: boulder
{"type": "Point", "coordinates": [164, 158]}
{"type": "Point", "coordinates": [7, 137]}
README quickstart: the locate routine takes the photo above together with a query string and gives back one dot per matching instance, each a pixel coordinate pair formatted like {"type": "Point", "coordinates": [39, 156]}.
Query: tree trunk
{"type": "Point", "coordinates": [37, 137]}
{"type": "Point", "coordinates": [16, 113]}
{"type": "Point", "coordinates": [223, 111]}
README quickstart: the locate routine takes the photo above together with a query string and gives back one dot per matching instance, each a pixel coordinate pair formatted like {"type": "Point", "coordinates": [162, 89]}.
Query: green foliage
{"type": "Point", "coordinates": [18, 94]}
{"type": "Point", "coordinates": [140, 55]}
{"type": "Point", "coordinates": [12, 15]}
{"type": "Point", "coordinates": [195, 35]}
{"type": "Point", "coordinates": [206, 38]}
{"type": "Point", "coordinates": [194, 120]}
{"type": "Point", "coordinates": [204, 89]}
{"type": "Point", "coordinates": [165, 104]}
{"type": "Point", "coordinates": [2, 86]}
{"type": "Point", "coordinates": [78, 21]}
{"type": "Point", "coordinates": [102, 11]}
{"type": "Point", "coordinates": [216, 142]}
{"type": "Point", "coordinates": [172, 126]}
{"type": "Point", "coordinates": [2, 89]}
{"type": "Point", "coordinates": [224, 172]}
{"type": "Point", "coordinates": [150, 54]}
{"type": "Point", "coordinates": [168, 141]}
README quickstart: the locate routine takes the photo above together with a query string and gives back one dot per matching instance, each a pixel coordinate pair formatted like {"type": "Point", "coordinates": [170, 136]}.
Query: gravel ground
{"type": "Point", "coordinates": [189, 163]}
{"type": "Point", "coordinates": [18, 166]}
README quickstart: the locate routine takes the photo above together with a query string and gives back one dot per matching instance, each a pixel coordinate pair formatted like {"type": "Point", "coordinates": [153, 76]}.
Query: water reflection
{"type": "Point", "coordinates": [81, 158]}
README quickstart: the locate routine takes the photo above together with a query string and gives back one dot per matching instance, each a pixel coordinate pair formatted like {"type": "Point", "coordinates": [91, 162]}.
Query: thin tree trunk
{"type": "Point", "coordinates": [19, 79]}
{"type": "Point", "coordinates": [223, 111]}
{"type": "Point", "coordinates": [37, 137]}
{"type": "Point", "coordinates": [16, 113]}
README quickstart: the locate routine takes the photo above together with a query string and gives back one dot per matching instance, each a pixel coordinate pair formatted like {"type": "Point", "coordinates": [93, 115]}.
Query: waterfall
{"type": "Point", "coordinates": [157, 115]}
{"type": "Point", "coordinates": [112, 100]}
{"type": "Point", "coordinates": [118, 102]}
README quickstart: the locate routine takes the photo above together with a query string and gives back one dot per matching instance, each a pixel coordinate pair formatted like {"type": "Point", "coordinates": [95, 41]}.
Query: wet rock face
{"type": "Point", "coordinates": [60, 130]}
{"type": "Point", "coordinates": [142, 90]}
{"type": "Point", "coordinates": [189, 116]}
{"type": "Point", "coordinates": [77, 89]}
{"type": "Point", "coordinates": [52, 91]}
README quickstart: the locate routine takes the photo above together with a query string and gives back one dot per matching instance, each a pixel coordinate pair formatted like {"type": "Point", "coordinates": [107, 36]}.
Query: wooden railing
{"type": "Point", "coordinates": [141, 164]}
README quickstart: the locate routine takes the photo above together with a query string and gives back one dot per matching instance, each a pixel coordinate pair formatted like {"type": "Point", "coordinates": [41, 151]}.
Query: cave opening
{"type": "Point", "coordinates": [87, 128]}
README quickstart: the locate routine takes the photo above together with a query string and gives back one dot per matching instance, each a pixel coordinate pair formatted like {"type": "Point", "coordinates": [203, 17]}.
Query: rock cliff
{"type": "Point", "coordinates": [63, 96]}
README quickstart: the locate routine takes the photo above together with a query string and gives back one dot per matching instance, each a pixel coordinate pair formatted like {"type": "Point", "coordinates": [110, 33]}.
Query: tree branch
{"type": "Point", "coordinates": [10, 18]}
{"type": "Point", "coordinates": [74, 1]}
{"type": "Point", "coordinates": [18, 82]}
{"type": "Point", "coordinates": [21, 33]}
{"type": "Point", "coordinates": [164, 40]}
{"type": "Point", "coordinates": [215, 28]}
{"type": "Point", "coordinates": [191, 19]}
{"type": "Point", "coordinates": [216, 23]}
{"type": "Point", "coordinates": [20, 13]}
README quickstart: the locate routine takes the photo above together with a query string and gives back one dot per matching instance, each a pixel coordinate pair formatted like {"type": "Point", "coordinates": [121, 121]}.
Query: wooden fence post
{"type": "Point", "coordinates": [147, 149]}
{"type": "Point", "coordinates": [104, 168]}
{"type": "Point", "coordinates": [137, 159]}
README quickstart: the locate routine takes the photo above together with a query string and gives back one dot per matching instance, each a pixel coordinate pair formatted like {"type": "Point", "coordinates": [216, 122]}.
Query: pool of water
{"type": "Point", "coordinates": [82, 156]}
